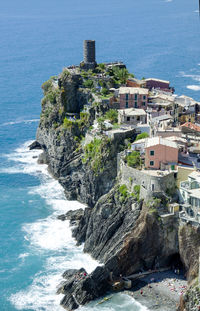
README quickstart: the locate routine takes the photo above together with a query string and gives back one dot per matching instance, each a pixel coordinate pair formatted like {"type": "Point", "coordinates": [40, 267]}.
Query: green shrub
{"type": "Point", "coordinates": [84, 116]}
{"type": "Point", "coordinates": [133, 159]}
{"type": "Point", "coordinates": [88, 83]}
{"type": "Point", "coordinates": [67, 123]}
{"type": "Point", "coordinates": [112, 115]}
{"type": "Point", "coordinates": [104, 91]}
{"type": "Point", "coordinates": [141, 136]}
{"type": "Point", "coordinates": [65, 74]}
{"type": "Point", "coordinates": [47, 85]}
{"type": "Point", "coordinates": [97, 152]}
{"type": "Point", "coordinates": [102, 66]}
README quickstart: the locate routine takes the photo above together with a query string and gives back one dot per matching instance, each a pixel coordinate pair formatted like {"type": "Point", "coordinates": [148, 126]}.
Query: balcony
{"type": "Point", "coordinates": [185, 185]}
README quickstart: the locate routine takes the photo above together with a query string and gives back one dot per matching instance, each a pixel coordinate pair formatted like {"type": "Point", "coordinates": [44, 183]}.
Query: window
{"type": "Point", "coordinates": [126, 104]}
{"type": "Point", "coordinates": [138, 118]}
{"type": "Point", "coordinates": [151, 152]}
{"type": "Point", "coordinates": [135, 96]}
{"type": "Point", "coordinates": [151, 163]}
{"type": "Point", "coordinates": [126, 96]}
{"type": "Point", "coordinates": [152, 187]}
{"type": "Point", "coordinates": [144, 97]}
{"type": "Point", "coordinates": [128, 118]}
{"type": "Point", "coordinates": [143, 104]}
{"type": "Point", "coordinates": [136, 105]}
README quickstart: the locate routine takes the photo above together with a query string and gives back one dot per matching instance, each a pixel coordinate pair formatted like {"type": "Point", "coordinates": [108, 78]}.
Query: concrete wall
{"type": "Point", "coordinates": [131, 177]}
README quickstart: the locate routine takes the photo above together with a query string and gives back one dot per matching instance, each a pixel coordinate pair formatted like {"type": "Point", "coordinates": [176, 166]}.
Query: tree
{"type": "Point", "coordinates": [112, 115]}
{"type": "Point", "coordinates": [121, 74]}
{"type": "Point", "coordinates": [88, 83]}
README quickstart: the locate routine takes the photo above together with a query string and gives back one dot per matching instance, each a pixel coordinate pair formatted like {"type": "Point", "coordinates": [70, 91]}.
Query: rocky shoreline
{"type": "Point", "coordinates": [124, 233]}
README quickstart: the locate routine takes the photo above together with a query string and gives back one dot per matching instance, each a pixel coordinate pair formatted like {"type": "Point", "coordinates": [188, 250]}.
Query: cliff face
{"type": "Point", "coordinates": [60, 135]}
{"type": "Point", "coordinates": [189, 243]}
{"type": "Point", "coordinates": [126, 236]}
{"type": "Point", "coordinates": [191, 300]}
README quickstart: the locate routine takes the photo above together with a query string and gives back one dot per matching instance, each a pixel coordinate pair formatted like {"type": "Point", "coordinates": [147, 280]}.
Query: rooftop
{"type": "Point", "coordinates": [132, 112]}
{"type": "Point", "coordinates": [153, 141]}
{"type": "Point", "coordinates": [195, 193]}
{"type": "Point", "coordinates": [162, 117]}
{"type": "Point", "coordinates": [195, 175]}
{"type": "Point", "coordinates": [192, 126]}
{"type": "Point", "coordinates": [161, 96]}
{"type": "Point", "coordinates": [178, 139]}
{"type": "Point", "coordinates": [157, 80]}
{"type": "Point", "coordinates": [133, 90]}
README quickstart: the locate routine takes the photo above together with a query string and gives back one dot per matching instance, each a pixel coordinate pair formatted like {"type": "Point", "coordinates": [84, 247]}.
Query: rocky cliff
{"type": "Point", "coordinates": [125, 234]}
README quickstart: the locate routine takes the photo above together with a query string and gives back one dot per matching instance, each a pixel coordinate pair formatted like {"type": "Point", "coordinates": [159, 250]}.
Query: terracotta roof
{"type": "Point", "coordinates": [192, 126]}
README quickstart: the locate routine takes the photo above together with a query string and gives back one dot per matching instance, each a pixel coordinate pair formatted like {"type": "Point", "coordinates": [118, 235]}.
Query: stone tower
{"type": "Point", "coordinates": [89, 60]}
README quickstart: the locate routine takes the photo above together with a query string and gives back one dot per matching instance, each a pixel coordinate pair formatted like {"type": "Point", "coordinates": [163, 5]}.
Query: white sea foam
{"type": "Point", "coordinates": [24, 255]}
{"type": "Point", "coordinates": [195, 77]}
{"type": "Point", "coordinates": [25, 162]}
{"type": "Point", "coordinates": [52, 239]}
{"type": "Point", "coordinates": [193, 87]}
{"type": "Point", "coordinates": [19, 122]}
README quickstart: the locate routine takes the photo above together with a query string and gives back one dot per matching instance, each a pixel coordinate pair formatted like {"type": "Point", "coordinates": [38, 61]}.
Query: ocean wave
{"type": "Point", "coordinates": [26, 161]}
{"type": "Point", "coordinates": [48, 237]}
{"type": "Point", "coordinates": [195, 77]}
{"type": "Point", "coordinates": [19, 122]}
{"type": "Point", "coordinates": [40, 296]}
{"type": "Point", "coordinates": [52, 240]}
{"type": "Point", "coordinates": [193, 87]}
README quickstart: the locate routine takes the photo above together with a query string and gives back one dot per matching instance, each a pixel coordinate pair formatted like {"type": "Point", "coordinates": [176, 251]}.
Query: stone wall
{"type": "Point", "coordinates": [149, 185]}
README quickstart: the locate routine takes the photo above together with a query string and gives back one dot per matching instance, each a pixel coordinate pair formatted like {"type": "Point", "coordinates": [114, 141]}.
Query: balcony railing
{"type": "Point", "coordinates": [185, 184]}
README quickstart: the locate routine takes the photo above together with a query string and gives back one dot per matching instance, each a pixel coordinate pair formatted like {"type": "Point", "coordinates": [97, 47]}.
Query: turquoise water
{"type": "Point", "coordinates": [38, 38]}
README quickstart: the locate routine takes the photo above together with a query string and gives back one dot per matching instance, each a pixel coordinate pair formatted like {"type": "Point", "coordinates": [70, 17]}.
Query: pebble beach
{"type": "Point", "coordinates": [160, 291]}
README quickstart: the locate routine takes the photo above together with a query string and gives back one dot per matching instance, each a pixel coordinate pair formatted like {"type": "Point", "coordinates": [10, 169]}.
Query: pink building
{"type": "Point", "coordinates": [160, 153]}
{"type": "Point", "coordinates": [133, 97]}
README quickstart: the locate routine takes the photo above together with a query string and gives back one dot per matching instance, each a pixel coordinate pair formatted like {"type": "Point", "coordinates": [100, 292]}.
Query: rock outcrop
{"type": "Point", "coordinates": [123, 233]}
{"type": "Point", "coordinates": [126, 237]}
{"type": "Point", "coordinates": [189, 244]}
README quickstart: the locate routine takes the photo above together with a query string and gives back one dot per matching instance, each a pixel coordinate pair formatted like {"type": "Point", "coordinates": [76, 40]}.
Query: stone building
{"type": "Point", "coordinates": [132, 116]}
{"type": "Point", "coordinates": [152, 183]}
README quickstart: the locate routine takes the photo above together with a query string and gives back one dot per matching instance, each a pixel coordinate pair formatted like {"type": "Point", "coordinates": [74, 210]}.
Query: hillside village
{"type": "Point", "coordinates": [129, 149]}
{"type": "Point", "coordinates": [165, 157]}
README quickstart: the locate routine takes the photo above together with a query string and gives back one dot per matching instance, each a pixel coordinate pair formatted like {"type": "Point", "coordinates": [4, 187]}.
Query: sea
{"type": "Point", "coordinates": [154, 38]}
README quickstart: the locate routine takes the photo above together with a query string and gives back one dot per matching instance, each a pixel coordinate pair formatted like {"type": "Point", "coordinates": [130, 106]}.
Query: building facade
{"type": "Point", "coordinates": [132, 116]}
{"type": "Point", "coordinates": [190, 195]}
{"type": "Point", "coordinates": [160, 153]}
{"type": "Point", "coordinates": [133, 97]}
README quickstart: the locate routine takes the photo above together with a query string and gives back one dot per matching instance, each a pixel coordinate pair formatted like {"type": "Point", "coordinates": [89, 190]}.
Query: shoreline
{"type": "Point", "coordinates": [161, 291]}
